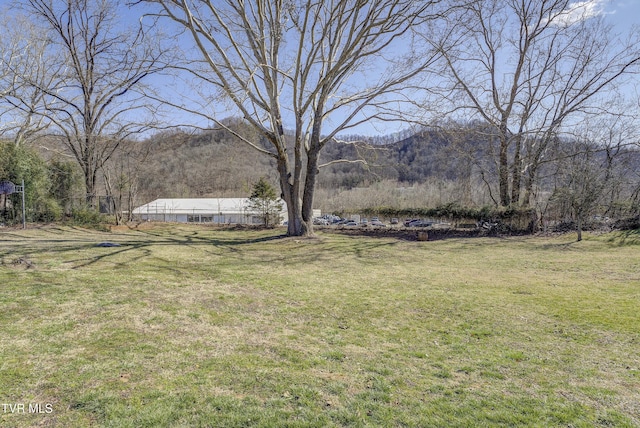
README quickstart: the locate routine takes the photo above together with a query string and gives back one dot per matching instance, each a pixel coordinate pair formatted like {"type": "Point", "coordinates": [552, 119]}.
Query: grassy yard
{"type": "Point", "coordinates": [203, 327]}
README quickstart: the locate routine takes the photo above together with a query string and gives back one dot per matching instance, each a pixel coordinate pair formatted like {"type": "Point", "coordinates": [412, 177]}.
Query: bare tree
{"type": "Point", "coordinates": [122, 175]}
{"type": "Point", "coordinates": [309, 66]}
{"type": "Point", "coordinates": [529, 68]}
{"type": "Point", "coordinates": [23, 60]}
{"type": "Point", "coordinates": [592, 167]}
{"type": "Point", "coordinates": [93, 99]}
{"type": "Point", "coordinates": [585, 176]}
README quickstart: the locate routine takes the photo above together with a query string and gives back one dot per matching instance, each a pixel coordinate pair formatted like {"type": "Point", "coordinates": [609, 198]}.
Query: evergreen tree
{"type": "Point", "coordinates": [263, 199]}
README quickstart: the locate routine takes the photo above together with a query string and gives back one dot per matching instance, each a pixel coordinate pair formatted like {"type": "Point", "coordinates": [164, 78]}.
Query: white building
{"type": "Point", "coordinates": [202, 210]}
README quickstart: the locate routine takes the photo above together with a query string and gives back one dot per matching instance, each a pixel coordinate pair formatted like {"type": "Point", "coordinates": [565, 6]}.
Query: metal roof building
{"type": "Point", "coordinates": [201, 210]}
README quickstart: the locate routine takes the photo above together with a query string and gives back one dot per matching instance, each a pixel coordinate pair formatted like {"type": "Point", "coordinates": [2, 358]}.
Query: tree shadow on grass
{"type": "Point", "coordinates": [626, 237]}
{"type": "Point", "coordinates": [130, 247]}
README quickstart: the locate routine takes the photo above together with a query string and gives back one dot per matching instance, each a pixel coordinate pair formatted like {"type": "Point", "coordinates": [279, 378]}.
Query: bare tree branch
{"type": "Point", "coordinates": [92, 92]}
{"type": "Point", "coordinates": [530, 69]}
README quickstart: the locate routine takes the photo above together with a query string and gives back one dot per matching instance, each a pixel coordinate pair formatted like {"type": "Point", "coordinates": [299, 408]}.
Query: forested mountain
{"type": "Point", "coordinates": [217, 163]}
{"type": "Point", "coordinates": [181, 164]}
{"type": "Point", "coordinates": [414, 169]}
{"type": "Point", "coordinates": [213, 163]}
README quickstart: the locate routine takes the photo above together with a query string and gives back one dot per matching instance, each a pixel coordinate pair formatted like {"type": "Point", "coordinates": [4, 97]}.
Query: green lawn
{"type": "Point", "coordinates": [194, 326]}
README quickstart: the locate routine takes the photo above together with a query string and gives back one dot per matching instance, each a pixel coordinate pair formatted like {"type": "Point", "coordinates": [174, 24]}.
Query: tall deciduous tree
{"type": "Point", "coordinates": [93, 99]}
{"type": "Point", "coordinates": [528, 68]}
{"type": "Point", "coordinates": [23, 71]}
{"type": "Point", "coordinates": [315, 67]}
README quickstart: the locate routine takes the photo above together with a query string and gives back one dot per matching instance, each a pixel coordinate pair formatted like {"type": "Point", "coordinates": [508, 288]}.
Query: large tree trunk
{"type": "Point", "coordinates": [296, 225]}
{"type": "Point", "coordinates": [300, 212]}
{"type": "Point", "coordinates": [579, 227]}
{"type": "Point", "coordinates": [309, 188]}
{"type": "Point", "coordinates": [287, 195]}
{"type": "Point", "coordinates": [90, 187]}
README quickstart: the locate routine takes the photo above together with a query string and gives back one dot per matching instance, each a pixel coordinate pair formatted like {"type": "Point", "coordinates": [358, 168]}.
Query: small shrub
{"type": "Point", "coordinates": [90, 218]}
{"type": "Point", "coordinates": [48, 210]}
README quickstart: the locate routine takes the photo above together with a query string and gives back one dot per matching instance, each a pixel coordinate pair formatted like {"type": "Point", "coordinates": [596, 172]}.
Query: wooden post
{"type": "Point", "coordinates": [24, 216]}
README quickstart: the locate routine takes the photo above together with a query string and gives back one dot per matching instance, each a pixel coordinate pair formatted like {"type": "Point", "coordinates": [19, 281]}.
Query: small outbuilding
{"type": "Point", "coordinates": [202, 210]}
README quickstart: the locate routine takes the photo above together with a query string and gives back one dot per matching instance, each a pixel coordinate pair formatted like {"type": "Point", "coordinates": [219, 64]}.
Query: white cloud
{"type": "Point", "coordinates": [579, 11]}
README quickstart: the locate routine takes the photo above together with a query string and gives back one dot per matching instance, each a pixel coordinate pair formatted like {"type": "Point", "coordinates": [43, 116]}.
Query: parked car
{"type": "Point", "coordinates": [377, 223]}
{"type": "Point", "coordinates": [420, 223]}
{"type": "Point", "coordinates": [350, 223]}
{"type": "Point", "coordinates": [320, 221]}
{"type": "Point", "coordinates": [409, 220]}
{"type": "Point", "coordinates": [394, 221]}
{"type": "Point", "coordinates": [332, 218]}
{"type": "Point", "coordinates": [337, 220]}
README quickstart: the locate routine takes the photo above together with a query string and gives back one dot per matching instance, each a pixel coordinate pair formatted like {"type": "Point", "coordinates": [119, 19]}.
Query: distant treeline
{"type": "Point", "coordinates": [456, 161]}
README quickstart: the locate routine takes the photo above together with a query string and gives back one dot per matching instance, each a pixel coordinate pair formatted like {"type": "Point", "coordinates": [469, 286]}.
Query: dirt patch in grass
{"type": "Point", "coordinates": [406, 234]}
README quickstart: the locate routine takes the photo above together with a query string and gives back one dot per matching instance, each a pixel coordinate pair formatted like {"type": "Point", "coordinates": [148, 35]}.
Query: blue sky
{"type": "Point", "coordinates": [622, 14]}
